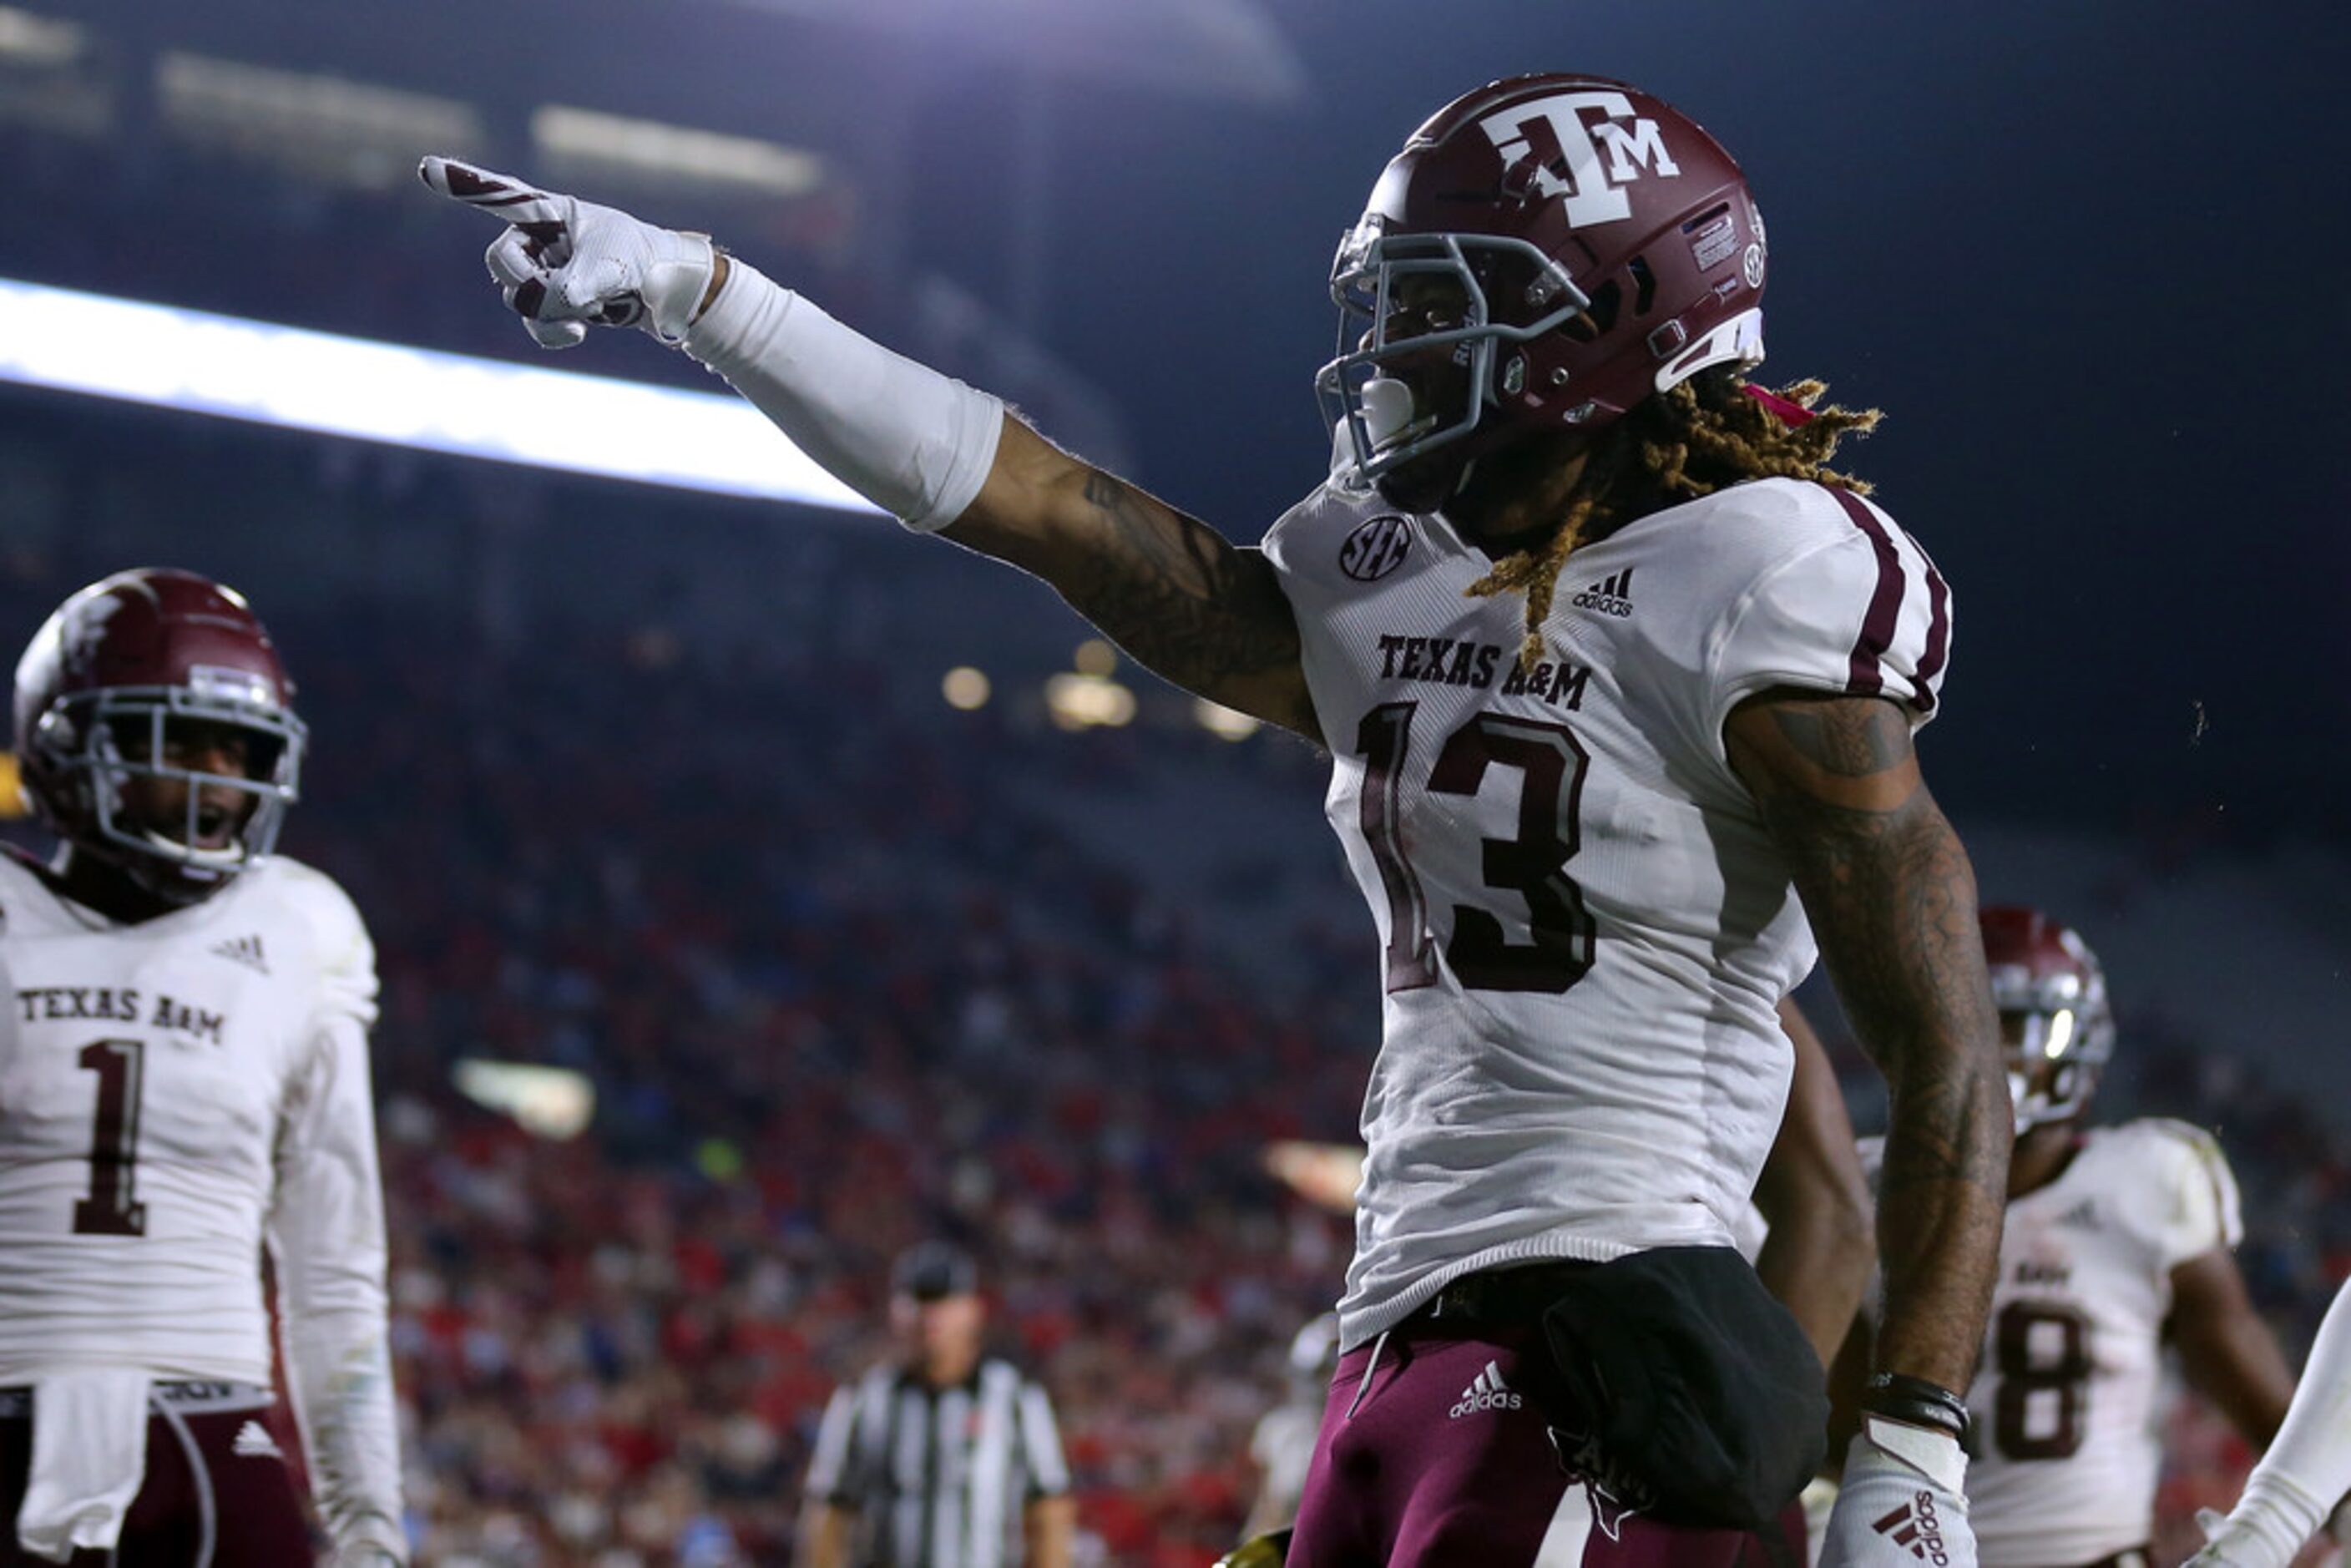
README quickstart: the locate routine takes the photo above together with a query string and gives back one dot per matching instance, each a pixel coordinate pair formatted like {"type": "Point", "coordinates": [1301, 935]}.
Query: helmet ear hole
{"type": "Point", "coordinates": [1645, 285]}
{"type": "Point", "coordinates": [1596, 319]}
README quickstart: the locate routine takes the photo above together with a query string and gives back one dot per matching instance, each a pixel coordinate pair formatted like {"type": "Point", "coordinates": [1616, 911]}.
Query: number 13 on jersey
{"type": "Point", "coordinates": [1533, 863]}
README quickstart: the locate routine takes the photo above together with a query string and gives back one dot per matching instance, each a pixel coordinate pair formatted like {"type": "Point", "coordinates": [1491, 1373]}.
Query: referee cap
{"type": "Point", "coordinates": [932, 1270]}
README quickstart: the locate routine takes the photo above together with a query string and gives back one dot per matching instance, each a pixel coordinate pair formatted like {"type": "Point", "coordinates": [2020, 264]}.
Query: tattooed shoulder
{"type": "Point", "coordinates": [1850, 738]}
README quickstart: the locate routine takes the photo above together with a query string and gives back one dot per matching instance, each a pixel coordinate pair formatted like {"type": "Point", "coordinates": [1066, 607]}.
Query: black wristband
{"type": "Point", "coordinates": [1899, 1397]}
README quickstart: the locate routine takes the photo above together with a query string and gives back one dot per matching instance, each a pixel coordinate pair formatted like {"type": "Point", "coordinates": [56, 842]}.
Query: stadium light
{"type": "Point", "coordinates": [595, 143]}
{"type": "Point", "coordinates": [325, 127]}
{"type": "Point", "coordinates": [27, 39]}
{"type": "Point", "coordinates": [552, 1102]}
{"type": "Point", "coordinates": [1220, 720]}
{"type": "Point", "coordinates": [269, 374]}
{"type": "Point", "coordinates": [1080, 702]}
{"type": "Point", "coordinates": [966, 688]}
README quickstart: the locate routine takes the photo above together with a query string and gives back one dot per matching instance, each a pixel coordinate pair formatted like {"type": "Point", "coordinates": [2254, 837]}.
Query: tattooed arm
{"type": "Point", "coordinates": [1190, 606]}
{"type": "Point", "coordinates": [1891, 900]}
{"type": "Point", "coordinates": [1174, 593]}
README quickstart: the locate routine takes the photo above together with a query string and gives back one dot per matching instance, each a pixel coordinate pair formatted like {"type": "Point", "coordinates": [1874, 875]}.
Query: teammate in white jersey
{"type": "Point", "coordinates": [184, 1082]}
{"type": "Point", "coordinates": [1599, 828]}
{"type": "Point", "coordinates": [2118, 1243]}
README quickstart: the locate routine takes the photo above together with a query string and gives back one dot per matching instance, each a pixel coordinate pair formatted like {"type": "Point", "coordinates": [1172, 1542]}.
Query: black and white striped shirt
{"type": "Point", "coordinates": [938, 1477]}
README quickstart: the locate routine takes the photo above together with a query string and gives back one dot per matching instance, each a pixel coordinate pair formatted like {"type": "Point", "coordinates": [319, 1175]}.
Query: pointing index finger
{"type": "Point", "coordinates": [501, 196]}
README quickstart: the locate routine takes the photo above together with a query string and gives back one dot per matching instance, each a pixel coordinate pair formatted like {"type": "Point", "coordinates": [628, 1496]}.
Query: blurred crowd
{"type": "Point", "coordinates": [841, 982]}
{"type": "Point", "coordinates": [839, 986]}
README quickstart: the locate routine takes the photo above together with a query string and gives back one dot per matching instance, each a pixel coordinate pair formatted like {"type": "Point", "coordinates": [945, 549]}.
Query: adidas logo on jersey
{"type": "Point", "coordinates": [254, 1442]}
{"type": "Point", "coordinates": [1487, 1392]}
{"type": "Point", "coordinates": [244, 950]}
{"type": "Point", "coordinates": [1915, 1528]}
{"type": "Point", "coordinates": [1610, 595]}
{"type": "Point", "coordinates": [2083, 1216]}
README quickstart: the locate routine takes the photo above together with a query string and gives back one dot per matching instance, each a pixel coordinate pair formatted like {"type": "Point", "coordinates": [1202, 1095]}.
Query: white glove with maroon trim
{"type": "Point", "coordinates": [564, 265]}
{"type": "Point", "coordinates": [1902, 1501]}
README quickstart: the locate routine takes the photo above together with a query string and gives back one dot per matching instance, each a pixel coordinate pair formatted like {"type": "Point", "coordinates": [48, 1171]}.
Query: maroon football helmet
{"type": "Point", "coordinates": [2057, 1030]}
{"type": "Point", "coordinates": [1577, 244]}
{"type": "Point", "coordinates": [105, 678]}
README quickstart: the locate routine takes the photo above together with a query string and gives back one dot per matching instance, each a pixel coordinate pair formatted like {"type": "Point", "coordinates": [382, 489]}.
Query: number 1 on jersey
{"type": "Point", "coordinates": [1532, 864]}
{"type": "Point", "coordinates": [112, 1208]}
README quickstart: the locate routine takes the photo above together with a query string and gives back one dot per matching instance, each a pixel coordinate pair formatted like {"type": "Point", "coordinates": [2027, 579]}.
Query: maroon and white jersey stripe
{"type": "Point", "coordinates": [1899, 572]}
{"type": "Point", "coordinates": [1585, 926]}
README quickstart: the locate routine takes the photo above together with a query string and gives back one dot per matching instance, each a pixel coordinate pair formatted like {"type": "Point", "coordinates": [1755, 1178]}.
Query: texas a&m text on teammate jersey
{"type": "Point", "coordinates": [183, 1080]}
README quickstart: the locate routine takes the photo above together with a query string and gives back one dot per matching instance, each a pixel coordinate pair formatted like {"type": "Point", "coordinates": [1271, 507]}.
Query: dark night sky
{"type": "Point", "coordinates": [2091, 259]}
{"type": "Point", "coordinates": [2090, 256]}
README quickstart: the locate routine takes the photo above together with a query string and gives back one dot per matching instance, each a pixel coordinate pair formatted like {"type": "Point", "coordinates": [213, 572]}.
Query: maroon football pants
{"type": "Point", "coordinates": [217, 1493]}
{"type": "Point", "coordinates": [1438, 1455]}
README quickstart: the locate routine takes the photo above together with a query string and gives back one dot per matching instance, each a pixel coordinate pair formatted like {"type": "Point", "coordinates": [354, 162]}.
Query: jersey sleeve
{"type": "Point", "coordinates": [326, 1237]}
{"type": "Point", "coordinates": [1856, 608]}
{"type": "Point", "coordinates": [2193, 1193]}
{"type": "Point", "coordinates": [1303, 547]}
{"type": "Point", "coordinates": [1041, 1443]}
{"type": "Point", "coordinates": [828, 1473]}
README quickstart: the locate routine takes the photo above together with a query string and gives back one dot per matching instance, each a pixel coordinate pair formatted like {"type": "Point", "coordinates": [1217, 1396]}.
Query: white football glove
{"type": "Point", "coordinates": [1901, 1503]}
{"type": "Point", "coordinates": [2246, 1539]}
{"type": "Point", "coordinates": [564, 265]}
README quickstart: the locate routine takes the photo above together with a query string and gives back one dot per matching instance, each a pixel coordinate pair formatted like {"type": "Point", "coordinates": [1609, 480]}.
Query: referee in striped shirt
{"type": "Point", "coordinates": [945, 1458]}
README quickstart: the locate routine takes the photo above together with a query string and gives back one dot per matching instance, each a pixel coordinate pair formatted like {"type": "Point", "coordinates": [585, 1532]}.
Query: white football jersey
{"type": "Point", "coordinates": [2064, 1406]}
{"type": "Point", "coordinates": [174, 1094]}
{"type": "Point", "coordinates": [1586, 928]}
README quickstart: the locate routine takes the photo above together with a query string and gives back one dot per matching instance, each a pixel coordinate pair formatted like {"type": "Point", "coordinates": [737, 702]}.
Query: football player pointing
{"type": "Point", "coordinates": [1592, 814]}
{"type": "Point", "coordinates": [2118, 1241]}
{"type": "Point", "coordinates": [184, 1079]}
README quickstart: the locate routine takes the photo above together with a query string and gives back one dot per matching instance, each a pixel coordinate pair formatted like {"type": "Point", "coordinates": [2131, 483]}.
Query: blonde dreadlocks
{"type": "Point", "coordinates": [1698, 438]}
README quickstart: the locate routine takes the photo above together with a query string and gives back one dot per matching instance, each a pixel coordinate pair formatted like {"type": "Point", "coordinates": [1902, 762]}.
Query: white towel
{"type": "Point", "coordinates": [90, 1459]}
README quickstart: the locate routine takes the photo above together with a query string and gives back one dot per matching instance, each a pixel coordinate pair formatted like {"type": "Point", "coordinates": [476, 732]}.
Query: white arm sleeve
{"type": "Point", "coordinates": [1040, 1439]}
{"type": "Point", "coordinates": [915, 443]}
{"type": "Point", "coordinates": [2309, 1465]}
{"type": "Point", "coordinates": [327, 1236]}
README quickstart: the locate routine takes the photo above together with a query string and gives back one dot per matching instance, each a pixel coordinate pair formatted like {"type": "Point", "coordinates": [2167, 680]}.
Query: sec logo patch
{"type": "Point", "coordinates": [1376, 549]}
